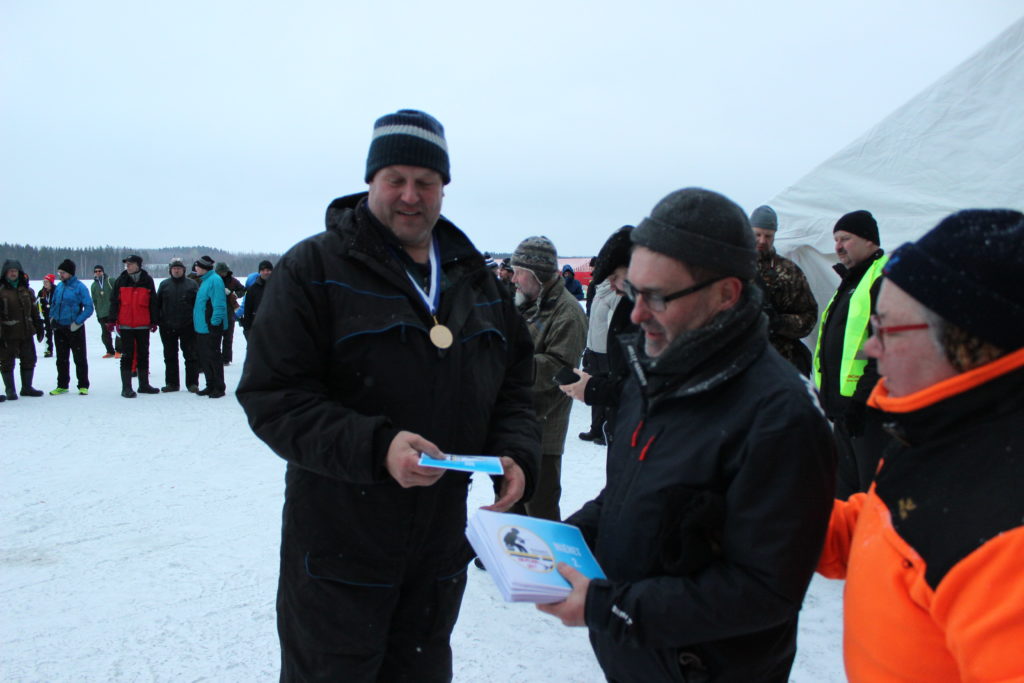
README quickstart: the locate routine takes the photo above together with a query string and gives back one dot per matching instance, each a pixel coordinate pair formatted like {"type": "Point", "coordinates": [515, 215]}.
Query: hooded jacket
{"type": "Point", "coordinates": [348, 364]}
{"type": "Point", "coordinates": [719, 485]}
{"type": "Point", "coordinates": [210, 309]}
{"type": "Point", "coordinates": [933, 553]}
{"type": "Point", "coordinates": [19, 315]}
{"type": "Point", "coordinates": [70, 303]}
{"type": "Point", "coordinates": [558, 328]}
{"type": "Point", "coordinates": [176, 300]}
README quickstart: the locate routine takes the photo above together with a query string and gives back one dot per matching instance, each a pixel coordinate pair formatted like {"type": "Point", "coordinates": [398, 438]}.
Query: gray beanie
{"type": "Point", "coordinates": [703, 229]}
{"type": "Point", "coordinates": [537, 254]}
{"type": "Point", "coordinates": [764, 217]}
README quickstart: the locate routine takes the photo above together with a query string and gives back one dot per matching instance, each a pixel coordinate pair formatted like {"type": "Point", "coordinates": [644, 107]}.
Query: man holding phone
{"type": "Point", "coordinates": [558, 327]}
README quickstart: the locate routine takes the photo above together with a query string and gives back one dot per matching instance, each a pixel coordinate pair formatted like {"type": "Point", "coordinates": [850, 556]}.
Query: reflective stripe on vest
{"type": "Point", "coordinates": [853, 361]}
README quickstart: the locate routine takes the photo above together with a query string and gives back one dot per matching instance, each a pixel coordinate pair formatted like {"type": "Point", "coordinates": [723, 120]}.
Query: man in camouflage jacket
{"type": "Point", "coordinates": [788, 302]}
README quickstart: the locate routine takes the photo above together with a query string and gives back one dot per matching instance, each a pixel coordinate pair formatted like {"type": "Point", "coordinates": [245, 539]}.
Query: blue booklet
{"type": "Point", "coordinates": [521, 554]}
{"type": "Point", "coordinates": [485, 464]}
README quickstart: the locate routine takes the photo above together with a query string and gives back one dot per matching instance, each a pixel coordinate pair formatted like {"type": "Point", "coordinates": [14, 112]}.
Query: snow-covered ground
{"type": "Point", "coordinates": [140, 537]}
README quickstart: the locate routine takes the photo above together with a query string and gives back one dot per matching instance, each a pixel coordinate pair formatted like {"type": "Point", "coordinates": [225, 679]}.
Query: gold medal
{"type": "Point", "coordinates": [441, 336]}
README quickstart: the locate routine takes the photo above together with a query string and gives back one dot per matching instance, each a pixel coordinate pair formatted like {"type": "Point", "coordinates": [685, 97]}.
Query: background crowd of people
{"type": "Point", "coordinates": [195, 313]}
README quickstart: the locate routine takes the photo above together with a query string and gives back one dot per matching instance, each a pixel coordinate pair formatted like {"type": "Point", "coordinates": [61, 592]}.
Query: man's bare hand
{"type": "Point", "coordinates": [513, 485]}
{"type": "Point", "coordinates": [571, 610]}
{"type": "Point", "coordinates": [576, 389]}
{"type": "Point", "coordinates": [403, 460]}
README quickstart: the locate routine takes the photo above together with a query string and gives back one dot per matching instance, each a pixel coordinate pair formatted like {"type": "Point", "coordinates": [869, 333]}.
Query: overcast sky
{"type": "Point", "coordinates": [233, 124]}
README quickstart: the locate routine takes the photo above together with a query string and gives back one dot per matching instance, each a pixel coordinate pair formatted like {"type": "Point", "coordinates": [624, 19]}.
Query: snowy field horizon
{"type": "Point", "coordinates": [141, 543]}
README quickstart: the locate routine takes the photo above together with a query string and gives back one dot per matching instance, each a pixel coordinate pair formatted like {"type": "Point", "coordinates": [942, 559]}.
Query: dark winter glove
{"type": "Point", "coordinates": [111, 327]}
{"type": "Point", "coordinates": [152, 328]}
{"type": "Point", "coordinates": [39, 335]}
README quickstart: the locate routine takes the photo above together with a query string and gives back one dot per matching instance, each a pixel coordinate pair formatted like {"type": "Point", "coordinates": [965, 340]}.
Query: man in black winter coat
{"type": "Point", "coordinates": [381, 339]}
{"type": "Point", "coordinates": [720, 479]}
{"type": "Point", "coordinates": [254, 297]}
{"type": "Point", "coordinates": [176, 297]}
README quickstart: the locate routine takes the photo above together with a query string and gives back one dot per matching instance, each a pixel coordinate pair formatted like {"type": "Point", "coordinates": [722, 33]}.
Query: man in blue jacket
{"type": "Point", "coordinates": [70, 307]}
{"type": "Point", "coordinates": [210, 320]}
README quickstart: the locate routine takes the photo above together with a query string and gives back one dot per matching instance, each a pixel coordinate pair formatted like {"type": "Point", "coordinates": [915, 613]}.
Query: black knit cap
{"type": "Point", "coordinates": [265, 265]}
{"type": "Point", "coordinates": [134, 258]}
{"type": "Point", "coordinates": [68, 266]}
{"type": "Point", "coordinates": [701, 228]}
{"type": "Point", "coordinates": [204, 262]}
{"type": "Point", "coordinates": [967, 270]}
{"type": "Point", "coordinates": [613, 254]}
{"type": "Point", "coordinates": [409, 138]}
{"type": "Point", "coordinates": [860, 223]}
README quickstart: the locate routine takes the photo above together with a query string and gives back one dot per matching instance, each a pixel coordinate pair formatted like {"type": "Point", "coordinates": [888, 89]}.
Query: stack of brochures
{"type": "Point", "coordinates": [521, 553]}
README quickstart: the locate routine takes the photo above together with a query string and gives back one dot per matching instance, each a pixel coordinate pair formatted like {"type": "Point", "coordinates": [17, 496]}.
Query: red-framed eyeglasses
{"type": "Point", "coordinates": [879, 331]}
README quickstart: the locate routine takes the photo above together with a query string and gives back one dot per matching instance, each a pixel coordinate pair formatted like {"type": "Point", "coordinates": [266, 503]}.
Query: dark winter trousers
{"type": "Point", "coordinates": [48, 326]}
{"type": "Point", "coordinates": [108, 343]}
{"type": "Point", "coordinates": [596, 364]}
{"type": "Point", "coordinates": [858, 455]}
{"type": "Point", "coordinates": [229, 339]}
{"type": "Point", "coordinates": [547, 492]}
{"type": "Point", "coordinates": [136, 349]}
{"type": "Point", "coordinates": [336, 631]}
{"type": "Point", "coordinates": [186, 338]}
{"type": "Point", "coordinates": [210, 360]}
{"type": "Point", "coordinates": [70, 343]}
{"type": "Point", "coordinates": [24, 352]}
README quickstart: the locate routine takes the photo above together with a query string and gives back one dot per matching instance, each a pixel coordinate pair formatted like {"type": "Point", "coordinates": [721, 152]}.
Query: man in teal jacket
{"type": "Point", "coordinates": [70, 307]}
{"type": "Point", "coordinates": [210, 319]}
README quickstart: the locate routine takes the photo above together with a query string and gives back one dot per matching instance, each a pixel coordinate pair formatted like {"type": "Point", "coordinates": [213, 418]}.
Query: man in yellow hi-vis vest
{"type": "Point", "coordinates": [844, 375]}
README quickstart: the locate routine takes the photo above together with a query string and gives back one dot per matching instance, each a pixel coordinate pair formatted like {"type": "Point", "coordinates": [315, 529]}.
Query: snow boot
{"type": "Point", "coordinates": [126, 384]}
{"type": "Point", "coordinates": [9, 390]}
{"type": "Point", "coordinates": [144, 385]}
{"type": "Point", "coordinates": [26, 383]}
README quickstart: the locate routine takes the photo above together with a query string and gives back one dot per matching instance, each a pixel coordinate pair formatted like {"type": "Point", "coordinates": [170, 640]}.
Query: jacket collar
{"type": "Point", "coordinates": [857, 272]}
{"type": "Point", "coordinates": [987, 390]}
{"type": "Point", "coordinates": [703, 359]}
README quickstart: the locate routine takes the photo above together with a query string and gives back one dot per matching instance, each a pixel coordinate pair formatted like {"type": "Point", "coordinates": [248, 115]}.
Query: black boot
{"type": "Point", "coordinates": [9, 391]}
{"type": "Point", "coordinates": [126, 384]}
{"type": "Point", "coordinates": [144, 386]}
{"type": "Point", "coordinates": [26, 383]}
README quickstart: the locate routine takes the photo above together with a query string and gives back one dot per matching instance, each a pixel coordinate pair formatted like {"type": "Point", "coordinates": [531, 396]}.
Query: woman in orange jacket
{"type": "Point", "coordinates": [933, 553]}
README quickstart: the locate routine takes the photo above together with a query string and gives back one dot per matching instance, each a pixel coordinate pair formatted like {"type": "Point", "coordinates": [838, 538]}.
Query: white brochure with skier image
{"type": "Point", "coordinates": [521, 554]}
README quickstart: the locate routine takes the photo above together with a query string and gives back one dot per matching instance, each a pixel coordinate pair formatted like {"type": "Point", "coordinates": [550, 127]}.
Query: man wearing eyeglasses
{"type": "Point", "coordinates": [721, 478]}
{"type": "Point", "coordinates": [932, 552]}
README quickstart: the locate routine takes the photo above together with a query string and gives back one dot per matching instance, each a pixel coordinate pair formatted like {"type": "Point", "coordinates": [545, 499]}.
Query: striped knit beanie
{"type": "Point", "coordinates": [408, 138]}
{"type": "Point", "coordinates": [537, 254]}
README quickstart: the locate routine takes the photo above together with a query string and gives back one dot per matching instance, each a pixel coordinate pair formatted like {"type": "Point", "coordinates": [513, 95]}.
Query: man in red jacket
{"type": "Point", "coordinates": [133, 311]}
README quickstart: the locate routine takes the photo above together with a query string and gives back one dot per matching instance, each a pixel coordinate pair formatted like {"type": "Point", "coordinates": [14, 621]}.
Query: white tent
{"type": "Point", "coordinates": [958, 144]}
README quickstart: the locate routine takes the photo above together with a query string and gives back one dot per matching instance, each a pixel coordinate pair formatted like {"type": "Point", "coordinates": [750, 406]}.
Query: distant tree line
{"type": "Point", "coordinates": [38, 261]}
